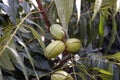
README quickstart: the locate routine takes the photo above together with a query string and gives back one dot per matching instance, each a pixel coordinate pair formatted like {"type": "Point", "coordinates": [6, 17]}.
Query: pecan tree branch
{"type": "Point", "coordinates": [43, 12]}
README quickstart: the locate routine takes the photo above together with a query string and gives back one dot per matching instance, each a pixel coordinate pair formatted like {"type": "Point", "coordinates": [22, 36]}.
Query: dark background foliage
{"type": "Point", "coordinates": [22, 30]}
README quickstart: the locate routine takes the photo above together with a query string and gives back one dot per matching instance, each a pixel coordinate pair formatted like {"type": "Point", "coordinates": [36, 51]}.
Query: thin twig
{"type": "Point", "coordinates": [62, 62]}
{"type": "Point", "coordinates": [43, 12]}
{"type": "Point", "coordinates": [73, 67]}
{"type": "Point", "coordinates": [49, 6]}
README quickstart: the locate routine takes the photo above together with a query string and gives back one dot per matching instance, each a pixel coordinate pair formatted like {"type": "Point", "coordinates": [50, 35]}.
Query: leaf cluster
{"type": "Point", "coordinates": [24, 34]}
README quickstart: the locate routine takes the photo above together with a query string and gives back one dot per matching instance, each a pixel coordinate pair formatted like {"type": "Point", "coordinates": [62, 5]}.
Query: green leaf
{"type": "Point", "coordinates": [91, 33]}
{"type": "Point", "coordinates": [101, 25]}
{"type": "Point", "coordinates": [101, 29]}
{"type": "Point", "coordinates": [3, 39]}
{"type": "Point", "coordinates": [42, 63]}
{"type": "Point", "coordinates": [5, 58]}
{"type": "Point", "coordinates": [97, 6]}
{"type": "Point", "coordinates": [105, 77]}
{"type": "Point", "coordinates": [83, 68]}
{"type": "Point", "coordinates": [1, 76]}
{"type": "Point", "coordinates": [14, 4]}
{"type": "Point", "coordinates": [25, 7]}
{"type": "Point", "coordinates": [82, 76]}
{"type": "Point", "coordinates": [39, 72]}
{"type": "Point", "coordinates": [9, 12]}
{"type": "Point", "coordinates": [11, 55]}
{"type": "Point", "coordinates": [5, 61]}
{"type": "Point", "coordinates": [22, 29]}
{"type": "Point", "coordinates": [83, 27]}
{"type": "Point", "coordinates": [114, 33]}
{"type": "Point", "coordinates": [29, 56]}
{"type": "Point", "coordinates": [39, 27]}
{"type": "Point", "coordinates": [103, 71]}
{"type": "Point", "coordinates": [115, 56]}
{"type": "Point", "coordinates": [19, 60]}
{"type": "Point", "coordinates": [37, 36]}
{"type": "Point", "coordinates": [118, 6]}
{"type": "Point", "coordinates": [64, 10]}
{"type": "Point", "coordinates": [14, 32]}
{"type": "Point", "coordinates": [8, 30]}
{"type": "Point", "coordinates": [78, 6]}
{"type": "Point", "coordinates": [35, 47]}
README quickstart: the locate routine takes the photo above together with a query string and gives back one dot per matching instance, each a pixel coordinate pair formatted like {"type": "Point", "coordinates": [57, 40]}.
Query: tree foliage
{"type": "Point", "coordinates": [25, 33]}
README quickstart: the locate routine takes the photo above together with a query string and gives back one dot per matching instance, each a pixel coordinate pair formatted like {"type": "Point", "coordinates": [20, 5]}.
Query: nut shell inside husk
{"type": "Point", "coordinates": [61, 75]}
{"type": "Point", "coordinates": [57, 31]}
{"type": "Point", "coordinates": [54, 49]}
{"type": "Point", "coordinates": [73, 45]}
